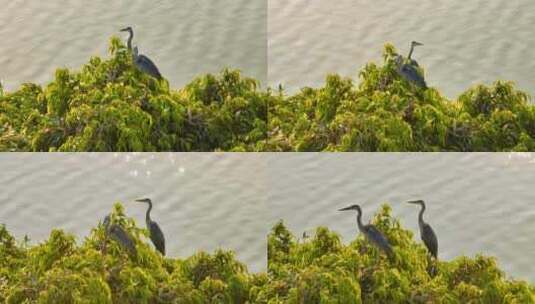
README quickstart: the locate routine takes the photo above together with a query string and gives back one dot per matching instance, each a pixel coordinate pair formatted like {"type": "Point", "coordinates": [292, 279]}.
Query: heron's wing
{"type": "Point", "coordinates": [430, 239]}
{"type": "Point", "coordinates": [157, 238]}
{"type": "Point", "coordinates": [377, 238]}
{"type": "Point", "coordinates": [412, 73]}
{"type": "Point", "coordinates": [146, 65]}
{"type": "Point", "coordinates": [123, 238]}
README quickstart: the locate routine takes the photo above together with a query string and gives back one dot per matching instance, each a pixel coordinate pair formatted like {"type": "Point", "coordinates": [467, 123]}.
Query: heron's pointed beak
{"type": "Point", "coordinates": [125, 29]}
{"type": "Point", "coordinates": [346, 208]}
{"type": "Point", "coordinates": [413, 202]}
{"type": "Point", "coordinates": [141, 200]}
{"type": "Point", "coordinates": [418, 43]}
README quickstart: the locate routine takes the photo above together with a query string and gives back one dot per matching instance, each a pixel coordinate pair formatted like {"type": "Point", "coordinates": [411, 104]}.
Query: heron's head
{"type": "Point", "coordinates": [144, 200]}
{"type": "Point", "coordinates": [352, 207]}
{"type": "Point", "coordinates": [416, 202]}
{"type": "Point", "coordinates": [416, 43]}
{"type": "Point", "coordinates": [127, 29]}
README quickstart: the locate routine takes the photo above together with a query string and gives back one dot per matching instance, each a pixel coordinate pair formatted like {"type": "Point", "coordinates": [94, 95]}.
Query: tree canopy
{"type": "Point", "coordinates": [316, 269]}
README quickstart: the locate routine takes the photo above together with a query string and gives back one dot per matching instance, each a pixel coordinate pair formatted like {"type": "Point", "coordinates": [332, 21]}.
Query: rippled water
{"type": "Point", "coordinates": [466, 42]}
{"type": "Point", "coordinates": [476, 203]}
{"type": "Point", "coordinates": [201, 201]}
{"type": "Point", "coordinates": [302, 40]}
{"type": "Point", "coordinates": [184, 38]}
{"type": "Point", "coordinates": [204, 201]}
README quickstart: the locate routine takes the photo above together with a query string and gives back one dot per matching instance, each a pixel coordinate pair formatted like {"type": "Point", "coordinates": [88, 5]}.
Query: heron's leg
{"type": "Point", "coordinates": [431, 266]}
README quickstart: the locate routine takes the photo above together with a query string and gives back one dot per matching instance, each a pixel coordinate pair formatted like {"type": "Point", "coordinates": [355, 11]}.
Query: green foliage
{"type": "Point", "coordinates": [386, 113]}
{"type": "Point", "coordinates": [320, 269]}
{"type": "Point", "coordinates": [99, 270]}
{"type": "Point", "coordinates": [111, 106]}
{"type": "Point", "coordinates": [323, 270]}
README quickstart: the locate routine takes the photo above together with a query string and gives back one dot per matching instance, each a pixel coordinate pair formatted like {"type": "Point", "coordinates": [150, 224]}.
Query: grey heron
{"type": "Point", "coordinates": [142, 62]}
{"type": "Point", "coordinates": [409, 72]}
{"type": "Point", "coordinates": [413, 44]}
{"type": "Point", "coordinates": [426, 232]}
{"type": "Point", "coordinates": [371, 233]}
{"type": "Point", "coordinates": [155, 233]}
{"type": "Point", "coordinates": [118, 234]}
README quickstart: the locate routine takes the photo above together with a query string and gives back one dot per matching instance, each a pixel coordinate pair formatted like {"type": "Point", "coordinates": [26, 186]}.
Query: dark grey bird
{"type": "Point", "coordinates": [155, 233]}
{"type": "Point", "coordinates": [372, 234]}
{"type": "Point", "coordinates": [413, 44]}
{"type": "Point", "coordinates": [410, 72]}
{"type": "Point", "coordinates": [427, 234]}
{"type": "Point", "coordinates": [118, 234]}
{"type": "Point", "coordinates": [142, 62]}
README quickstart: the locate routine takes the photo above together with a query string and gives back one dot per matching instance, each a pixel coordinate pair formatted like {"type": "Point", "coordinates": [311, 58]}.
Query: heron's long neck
{"type": "Point", "coordinates": [147, 216]}
{"type": "Point", "coordinates": [410, 52]}
{"type": "Point", "coordinates": [421, 215]}
{"type": "Point", "coordinates": [359, 219]}
{"type": "Point", "coordinates": [130, 37]}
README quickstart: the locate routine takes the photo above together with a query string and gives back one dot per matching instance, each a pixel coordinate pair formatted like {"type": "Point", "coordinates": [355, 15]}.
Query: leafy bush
{"type": "Point", "coordinates": [386, 113]}
{"type": "Point", "coordinates": [111, 106]}
{"type": "Point", "coordinates": [98, 270]}
{"type": "Point", "coordinates": [320, 269]}
{"type": "Point", "coordinates": [323, 270]}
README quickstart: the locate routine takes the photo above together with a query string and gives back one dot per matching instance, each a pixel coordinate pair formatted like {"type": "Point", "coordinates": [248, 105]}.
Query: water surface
{"type": "Point", "coordinates": [184, 38]}
{"type": "Point", "coordinates": [476, 203]}
{"type": "Point", "coordinates": [466, 42]}
{"type": "Point", "coordinates": [202, 201]}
